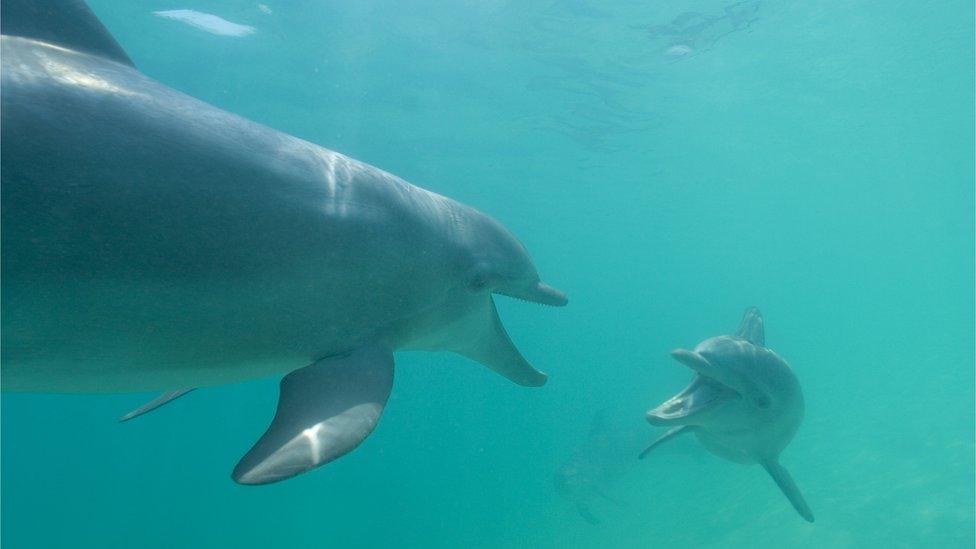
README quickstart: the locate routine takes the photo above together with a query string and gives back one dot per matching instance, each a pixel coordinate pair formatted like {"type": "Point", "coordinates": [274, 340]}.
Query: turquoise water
{"type": "Point", "coordinates": [666, 170]}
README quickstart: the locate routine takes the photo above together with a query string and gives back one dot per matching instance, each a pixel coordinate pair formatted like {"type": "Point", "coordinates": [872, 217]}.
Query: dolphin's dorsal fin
{"type": "Point", "coordinates": [486, 341]}
{"type": "Point", "coordinates": [66, 23]}
{"type": "Point", "coordinates": [751, 328]}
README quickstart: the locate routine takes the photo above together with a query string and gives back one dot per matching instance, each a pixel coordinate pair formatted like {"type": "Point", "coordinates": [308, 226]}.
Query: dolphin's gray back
{"type": "Point", "coordinates": [153, 242]}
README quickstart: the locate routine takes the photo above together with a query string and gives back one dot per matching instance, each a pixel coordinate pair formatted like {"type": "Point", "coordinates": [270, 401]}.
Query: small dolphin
{"type": "Point", "coordinates": [744, 403]}
{"type": "Point", "coordinates": [151, 241]}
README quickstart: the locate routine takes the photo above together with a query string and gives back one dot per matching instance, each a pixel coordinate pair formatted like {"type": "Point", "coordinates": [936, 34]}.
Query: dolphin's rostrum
{"type": "Point", "coordinates": [154, 242]}
{"type": "Point", "coordinates": [744, 403]}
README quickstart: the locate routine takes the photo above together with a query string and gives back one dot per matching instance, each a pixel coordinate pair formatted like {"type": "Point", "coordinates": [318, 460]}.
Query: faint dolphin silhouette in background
{"type": "Point", "coordinates": [595, 465]}
{"type": "Point", "coordinates": [693, 32]}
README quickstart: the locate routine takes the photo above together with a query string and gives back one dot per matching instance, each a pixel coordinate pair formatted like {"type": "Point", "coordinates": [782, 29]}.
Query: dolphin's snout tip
{"type": "Point", "coordinates": [692, 360]}
{"type": "Point", "coordinates": [681, 355]}
{"type": "Point", "coordinates": [547, 295]}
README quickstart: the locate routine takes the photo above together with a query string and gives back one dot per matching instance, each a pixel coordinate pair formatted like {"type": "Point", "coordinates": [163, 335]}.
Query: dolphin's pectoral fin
{"type": "Point", "coordinates": [671, 433]}
{"type": "Point", "coordinates": [751, 328]}
{"type": "Point", "coordinates": [491, 346]}
{"type": "Point", "coordinates": [162, 399]}
{"type": "Point", "coordinates": [324, 411]}
{"type": "Point", "coordinates": [786, 484]}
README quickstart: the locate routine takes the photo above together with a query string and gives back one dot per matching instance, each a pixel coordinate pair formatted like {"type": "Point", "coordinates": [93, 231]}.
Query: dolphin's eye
{"type": "Point", "coordinates": [479, 282]}
{"type": "Point", "coordinates": [479, 278]}
{"type": "Point", "coordinates": [762, 401]}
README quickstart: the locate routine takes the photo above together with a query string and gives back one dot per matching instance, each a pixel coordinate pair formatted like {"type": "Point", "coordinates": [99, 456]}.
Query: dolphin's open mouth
{"type": "Point", "coordinates": [703, 393]}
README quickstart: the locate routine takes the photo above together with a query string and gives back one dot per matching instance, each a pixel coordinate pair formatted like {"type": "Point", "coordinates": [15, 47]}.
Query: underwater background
{"type": "Point", "coordinates": [667, 164]}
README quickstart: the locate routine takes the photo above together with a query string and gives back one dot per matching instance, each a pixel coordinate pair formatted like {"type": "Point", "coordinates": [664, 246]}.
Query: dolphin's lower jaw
{"type": "Point", "coordinates": [701, 395]}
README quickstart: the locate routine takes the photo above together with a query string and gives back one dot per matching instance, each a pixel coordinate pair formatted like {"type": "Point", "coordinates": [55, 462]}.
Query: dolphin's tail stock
{"type": "Point", "coordinates": [789, 488]}
{"type": "Point", "coordinates": [325, 410]}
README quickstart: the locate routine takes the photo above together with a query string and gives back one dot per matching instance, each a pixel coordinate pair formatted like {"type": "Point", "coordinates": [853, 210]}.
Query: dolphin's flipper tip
{"type": "Point", "coordinates": [789, 488]}
{"type": "Point", "coordinates": [162, 399]}
{"type": "Point", "coordinates": [671, 433]}
{"type": "Point", "coordinates": [533, 378]}
{"type": "Point", "coordinates": [325, 410]}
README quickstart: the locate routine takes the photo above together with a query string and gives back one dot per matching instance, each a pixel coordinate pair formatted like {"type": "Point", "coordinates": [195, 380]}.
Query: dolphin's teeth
{"type": "Point", "coordinates": [701, 394]}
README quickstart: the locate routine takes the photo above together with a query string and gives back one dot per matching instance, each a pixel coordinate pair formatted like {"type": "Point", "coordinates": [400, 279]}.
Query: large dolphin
{"type": "Point", "coordinates": [744, 403]}
{"type": "Point", "coordinates": [153, 242]}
